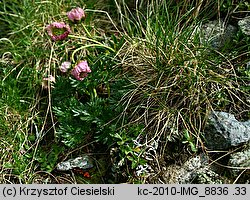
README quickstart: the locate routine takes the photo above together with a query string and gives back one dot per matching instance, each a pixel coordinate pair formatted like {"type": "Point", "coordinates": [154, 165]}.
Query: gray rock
{"type": "Point", "coordinates": [217, 34]}
{"type": "Point", "coordinates": [240, 161]}
{"type": "Point", "coordinates": [82, 162]}
{"type": "Point", "coordinates": [244, 25]}
{"type": "Point", "coordinates": [248, 66]}
{"type": "Point", "coordinates": [224, 131]}
{"type": "Point", "coordinates": [197, 170]}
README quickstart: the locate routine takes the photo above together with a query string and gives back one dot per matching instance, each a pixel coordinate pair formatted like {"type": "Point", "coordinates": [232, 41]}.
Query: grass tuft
{"type": "Point", "coordinates": [177, 80]}
{"type": "Point", "coordinates": [153, 83]}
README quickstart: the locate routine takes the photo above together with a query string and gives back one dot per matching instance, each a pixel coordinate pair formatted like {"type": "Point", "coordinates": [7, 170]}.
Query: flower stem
{"type": "Point", "coordinates": [97, 44]}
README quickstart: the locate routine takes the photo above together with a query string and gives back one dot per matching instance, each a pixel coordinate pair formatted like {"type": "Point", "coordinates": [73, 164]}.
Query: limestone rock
{"type": "Point", "coordinates": [240, 161]}
{"type": "Point", "coordinates": [82, 162]}
{"type": "Point", "coordinates": [224, 131]}
{"type": "Point", "coordinates": [197, 170]}
{"type": "Point", "coordinates": [244, 25]}
{"type": "Point", "coordinates": [217, 33]}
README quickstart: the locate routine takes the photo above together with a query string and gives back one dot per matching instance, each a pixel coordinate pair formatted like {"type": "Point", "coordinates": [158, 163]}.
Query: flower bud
{"type": "Point", "coordinates": [65, 66]}
{"type": "Point", "coordinates": [81, 70]}
{"type": "Point", "coordinates": [76, 14]}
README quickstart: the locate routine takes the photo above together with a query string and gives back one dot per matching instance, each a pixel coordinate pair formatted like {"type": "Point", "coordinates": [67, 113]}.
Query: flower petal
{"type": "Point", "coordinates": [76, 14]}
{"type": "Point", "coordinates": [57, 26]}
{"type": "Point", "coordinates": [81, 70]}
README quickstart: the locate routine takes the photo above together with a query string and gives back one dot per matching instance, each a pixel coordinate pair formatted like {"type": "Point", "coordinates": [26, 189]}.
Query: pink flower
{"type": "Point", "coordinates": [58, 30]}
{"type": "Point", "coordinates": [76, 14]}
{"type": "Point", "coordinates": [81, 70]}
{"type": "Point", "coordinates": [65, 66]}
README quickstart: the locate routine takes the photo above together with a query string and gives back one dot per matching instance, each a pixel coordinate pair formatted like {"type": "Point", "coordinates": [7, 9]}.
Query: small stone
{"type": "Point", "coordinates": [197, 170]}
{"type": "Point", "coordinates": [240, 160]}
{"type": "Point", "coordinates": [244, 25]}
{"type": "Point", "coordinates": [248, 66]}
{"type": "Point", "coordinates": [82, 162]}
